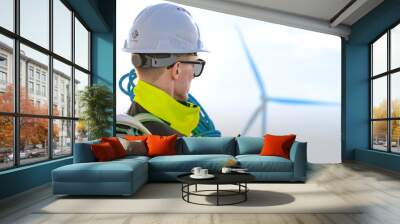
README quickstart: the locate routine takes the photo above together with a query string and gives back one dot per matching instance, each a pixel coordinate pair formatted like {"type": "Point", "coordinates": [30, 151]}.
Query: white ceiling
{"type": "Point", "coordinates": [324, 16]}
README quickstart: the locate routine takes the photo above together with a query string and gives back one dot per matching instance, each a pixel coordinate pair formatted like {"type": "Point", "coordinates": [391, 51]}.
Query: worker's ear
{"type": "Point", "coordinates": [175, 71]}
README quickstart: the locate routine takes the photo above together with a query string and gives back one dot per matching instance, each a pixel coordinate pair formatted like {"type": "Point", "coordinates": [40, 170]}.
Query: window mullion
{"type": "Point", "coordinates": [389, 106]}
{"type": "Point", "coordinates": [50, 81]}
{"type": "Point", "coordinates": [371, 144]}
{"type": "Point", "coordinates": [16, 83]}
{"type": "Point", "coordinates": [73, 82]}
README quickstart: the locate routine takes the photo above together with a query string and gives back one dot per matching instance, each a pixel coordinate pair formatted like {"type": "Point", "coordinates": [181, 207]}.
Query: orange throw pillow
{"type": "Point", "coordinates": [136, 137]}
{"type": "Point", "coordinates": [277, 145]}
{"type": "Point", "coordinates": [103, 152]}
{"type": "Point", "coordinates": [161, 145]}
{"type": "Point", "coordinates": [116, 145]}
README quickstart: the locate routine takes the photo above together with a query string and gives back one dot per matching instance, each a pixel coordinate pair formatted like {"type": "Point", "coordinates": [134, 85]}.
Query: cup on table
{"type": "Point", "coordinates": [196, 171]}
{"type": "Point", "coordinates": [203, 172]}
{"type": "Point", "coordinates": [226, 170]}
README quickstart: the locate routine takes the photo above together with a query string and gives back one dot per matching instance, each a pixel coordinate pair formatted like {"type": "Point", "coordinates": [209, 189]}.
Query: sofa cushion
{"type": "Point", "coordinates": [103, 152]}
{"type": "Point", "coordinates": [116, 145]}
{"type": "Point", "coordinates": [161, 145]}
{"type": "Point", "coordinates": [206, 145]}
{"type": "Point", "coordinates": [131, 158]}
{"type": "Point", "coordinates": [275, 145]}
{"type": "Point", "coordinates": [136, 147]}
{"type": "Point", "coordinates": [111, 171]}
{"type": "Point", "coordinates": [249, 145]}
{"type": "Point", "coordinates": [257, 163]}
{"type": "Point", "coordinates": [185, 163]}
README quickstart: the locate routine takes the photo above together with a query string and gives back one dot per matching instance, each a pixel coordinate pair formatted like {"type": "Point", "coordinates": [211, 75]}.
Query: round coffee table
{"type": "Point", "coordinates": [238, 179]}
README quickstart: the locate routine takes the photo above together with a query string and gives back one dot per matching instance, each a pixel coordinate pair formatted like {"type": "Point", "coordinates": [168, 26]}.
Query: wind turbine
{"type": "Point", "coordinates": [265, 99]}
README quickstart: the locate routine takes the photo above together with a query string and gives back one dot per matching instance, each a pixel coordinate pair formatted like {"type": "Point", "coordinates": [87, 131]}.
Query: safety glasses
{"type": "Point", "coordinates": [198, 66]}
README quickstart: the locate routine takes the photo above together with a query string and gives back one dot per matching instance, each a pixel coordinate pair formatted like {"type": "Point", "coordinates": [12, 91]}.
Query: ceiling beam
{"type": "Point", "coordinates": [346, 12]}
{"type": "Point", "coordinates": [269, 15]}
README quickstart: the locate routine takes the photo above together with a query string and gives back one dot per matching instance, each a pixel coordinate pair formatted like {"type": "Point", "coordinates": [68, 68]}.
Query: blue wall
{"type": "Point", "coordinates": [24, 178]}
{"type": "Point", "coordinates": [99, 16]}
{"type": "Point", "coordinates": [356, 83]}
{"type": "Point", "coordinates": [104, 52]}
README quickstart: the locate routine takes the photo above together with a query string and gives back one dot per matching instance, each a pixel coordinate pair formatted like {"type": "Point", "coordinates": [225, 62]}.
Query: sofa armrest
{"type": "Point", "coordinates": [83, 152]}
{"type": "Point", "coordinates": [298, 155]}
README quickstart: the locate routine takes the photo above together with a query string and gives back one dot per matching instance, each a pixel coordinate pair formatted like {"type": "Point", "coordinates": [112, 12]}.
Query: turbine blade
{"type": "Point", "coordinates": [253, 66]}
{"type": "Point", "coordinates": [301, 101]}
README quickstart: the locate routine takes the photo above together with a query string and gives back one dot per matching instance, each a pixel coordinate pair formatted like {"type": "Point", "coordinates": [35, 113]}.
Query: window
{"type": "Point", "coordinates": [43, 77]}
{"type": "Point", "coordinates": [37, 75]}
{"type": "Point", "coordinates": [7, 14]}
{"type": "Point", "coordinates": [62, 137]}
{"type": "Point", "coordinates": [35, 21]}
{"type": "Point", "coordinates": [44, 91]}
{"type": "Point", "coordinates": [6, 142]}
{"type": "Point", "coordinates": [62, 29]}
{"type": "Point", "coordinates": [81, 81]}
{"type": "Point", "coordinates": [30, 87]}
{"type": "Point", "coordinates": [33, 149]}
{"type": "Point", "coordinates": [62, 74]}
{"type": "Point", "coordinates": [7, 74]}
{"type": "Point", "coordinates": [3, 72]}
{"type": "Point", "coordinates": [55, 98]}
{"type": "Point", "coordinates": [81, 45]}
{"type": "Point", "coordinates": [38, 89]}
{"type": "Point", "coordinates": [41, 84]}
{"type": "Point", "coordinates": [30, 72]}
{"type": "Point", "coordinates": [3, 61]}
{"type": "Point", "coordinates": [385, 91]}
{"type": "Point", "coordinates": [3, 78]}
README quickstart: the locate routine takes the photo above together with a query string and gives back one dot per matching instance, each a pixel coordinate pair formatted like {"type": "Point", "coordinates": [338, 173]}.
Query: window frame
{"type": "Point", "coordinates": [388, 74]}
{"type": "Point", "coordinates": [16, 114]}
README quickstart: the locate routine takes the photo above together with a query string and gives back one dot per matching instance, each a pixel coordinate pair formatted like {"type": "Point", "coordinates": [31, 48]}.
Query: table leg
{"type": "Point", "coordinates": [245, 193]}
{"type": "Point", "coordinates": [188, 189]}
{"type": "Point", "coordinates": [217, 194]}
{"type": "Point", "coordinates": [196, 188]}
{"type": "Point", "coordinates": [182, 188]}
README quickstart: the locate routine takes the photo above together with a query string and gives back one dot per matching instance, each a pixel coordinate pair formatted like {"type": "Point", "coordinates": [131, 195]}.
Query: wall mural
{"type": "Point", "coordinates": [258, 78]}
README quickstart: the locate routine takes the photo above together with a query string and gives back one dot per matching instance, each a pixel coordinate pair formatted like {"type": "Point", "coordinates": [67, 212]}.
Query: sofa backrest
{"type": "Point", "coordinates": [249, 145]}
{"type": "Point", "coordinates": [192, 146]}
{"type": "Point", "coordinates": [206, 145]}
{"type": "Point", "coordinates": [83, 152]}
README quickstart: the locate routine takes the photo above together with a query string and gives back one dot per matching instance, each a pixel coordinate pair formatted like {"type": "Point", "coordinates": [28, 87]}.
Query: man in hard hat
{"type": "Point", "coordinates": [164, 41]}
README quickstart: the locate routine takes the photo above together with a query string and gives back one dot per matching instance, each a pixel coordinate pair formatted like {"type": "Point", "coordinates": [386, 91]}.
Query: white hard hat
{"type": "Point", "coordinates": [164, 28]}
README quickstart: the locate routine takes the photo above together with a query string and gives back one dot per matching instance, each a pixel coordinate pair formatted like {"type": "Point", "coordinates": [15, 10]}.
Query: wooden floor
{"type": "Point", "coordinates": [378, 188]}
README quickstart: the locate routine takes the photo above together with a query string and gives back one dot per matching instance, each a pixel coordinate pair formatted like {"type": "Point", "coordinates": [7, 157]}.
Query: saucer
{"type": "Point", "coordinates": [208, 176]}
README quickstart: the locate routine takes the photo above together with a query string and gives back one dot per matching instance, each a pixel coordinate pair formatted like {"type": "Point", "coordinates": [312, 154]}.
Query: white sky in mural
{"type": "Point", "coordinates": [293, 63]}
